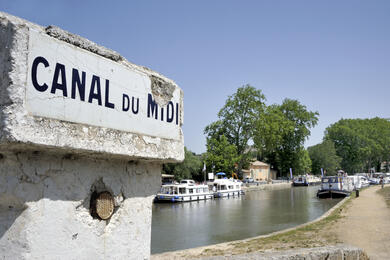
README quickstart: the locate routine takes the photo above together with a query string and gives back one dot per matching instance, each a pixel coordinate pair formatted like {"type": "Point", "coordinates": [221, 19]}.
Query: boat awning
{"type": "Point", "coordinates": [221, 174]}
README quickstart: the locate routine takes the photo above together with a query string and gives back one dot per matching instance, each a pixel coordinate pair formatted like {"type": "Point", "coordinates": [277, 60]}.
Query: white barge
{"type": "Point", "coordinates": [186, 190]}
{"type": "Point", "coordinates": [223, 187]}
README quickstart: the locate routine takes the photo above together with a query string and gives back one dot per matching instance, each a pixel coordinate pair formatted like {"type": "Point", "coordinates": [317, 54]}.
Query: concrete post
{"type": "Point", "coordinates": [78, 120]}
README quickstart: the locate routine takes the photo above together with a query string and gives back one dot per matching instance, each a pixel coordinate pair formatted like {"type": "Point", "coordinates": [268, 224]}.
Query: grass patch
{"type": "Point", "coordinates": [385, 192]}
{"type": "Point", "coordinates": [313, 235]}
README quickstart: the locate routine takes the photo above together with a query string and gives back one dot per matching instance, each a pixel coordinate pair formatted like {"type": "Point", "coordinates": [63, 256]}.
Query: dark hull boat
{"type": "Point", "coordinates": [335, 187]}
{"type": "Point", "coordinates": [324, 194]}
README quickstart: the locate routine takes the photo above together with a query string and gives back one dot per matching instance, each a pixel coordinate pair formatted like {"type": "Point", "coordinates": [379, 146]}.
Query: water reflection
{"type": "Point", "coordinates": [193, 224]}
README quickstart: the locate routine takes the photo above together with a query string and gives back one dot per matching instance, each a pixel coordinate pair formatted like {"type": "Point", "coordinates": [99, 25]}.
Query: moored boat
{"type": "Point", "coordinates": [186, 190]}
{"type": "Point", "coordinates": [306, 180]}
{"type": "Point", "coordinates": [359, 181]}
{"type": "Point", "coordinates": [300, 181]}
{"type": "Point", "coordinates": [223, 187]}
{"type": "Point", "coordinates": [335, 187]}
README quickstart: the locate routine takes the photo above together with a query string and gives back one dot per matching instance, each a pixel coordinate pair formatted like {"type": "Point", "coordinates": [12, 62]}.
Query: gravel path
{"type": "Point", "coordinates": [367, 224]}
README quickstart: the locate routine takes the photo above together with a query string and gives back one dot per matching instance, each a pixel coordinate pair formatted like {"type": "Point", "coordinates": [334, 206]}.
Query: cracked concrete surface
{"type": "Point", "coordinates": [44, 201]}
{"type": "Point", "coordinates": [162, 91]}
{"type": "Point", "coordinates": [83, 43]}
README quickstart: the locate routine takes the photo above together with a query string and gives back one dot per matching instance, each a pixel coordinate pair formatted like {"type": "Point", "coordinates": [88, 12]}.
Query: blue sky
{"type": "Point", "coordinates": [333, 56]}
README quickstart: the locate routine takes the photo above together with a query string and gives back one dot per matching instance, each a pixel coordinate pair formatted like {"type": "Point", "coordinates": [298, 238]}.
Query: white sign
{"type": "Point", "coordinates": [211, 176]}
{"type": "Point", "coordinates": [71, 84]}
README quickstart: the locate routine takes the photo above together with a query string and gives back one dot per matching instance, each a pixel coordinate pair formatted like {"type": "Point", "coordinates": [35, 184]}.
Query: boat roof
{"type": "Point", "coordinates": [187, 181]}
{"type": "Point", "coordinates": [226, 181]}
{"type": "Point", "coordinates": [185, 185]}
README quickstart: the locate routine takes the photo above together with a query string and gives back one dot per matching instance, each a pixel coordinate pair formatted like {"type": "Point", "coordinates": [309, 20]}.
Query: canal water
{"type": "Point", "coordinates": [193, 224]}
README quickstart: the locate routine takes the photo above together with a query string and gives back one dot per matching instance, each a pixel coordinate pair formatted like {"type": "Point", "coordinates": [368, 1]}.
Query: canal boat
{"type": "Point", "coordinates": [186, 190]}
{"type": "Point", "coordinates": [306, 180]}
{"type": "Point", "coordinates": [335, 187]}
{"type": "Point", "coordinates": [224, 187]}
{"type": "Point", "coordinates": [377, 177]}
{"type": "Point", "coordinates": [359, 181]}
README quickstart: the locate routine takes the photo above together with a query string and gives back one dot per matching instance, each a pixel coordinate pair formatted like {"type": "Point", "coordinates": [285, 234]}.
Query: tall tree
{"type": "Point", "coordinates": [269, 132]}
{"type": "Point", "coordinates": [221, 156]}
{"type": "Point", "coordinates": [280, 134]}
{"type": "Point", "coordinates": [237, 118]}
{"type": "Point", "coordinates": [324, 156]}
{"type": "Point", "coordinates": [304, 163]}
{"type": "Point", "coordinates": [361, 143]}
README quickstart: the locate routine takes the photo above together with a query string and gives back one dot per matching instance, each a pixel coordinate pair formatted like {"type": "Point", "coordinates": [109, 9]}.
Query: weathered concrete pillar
{"type": "Point", "coordinates": [83, 135]}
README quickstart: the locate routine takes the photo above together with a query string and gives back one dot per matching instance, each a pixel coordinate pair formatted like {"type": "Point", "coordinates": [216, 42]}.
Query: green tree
{"type": "Point", "coordinates": [304, 163]}
{"type": "Point", "coordinates": [269, 132]}
{"type": "Point", "coordinates": [190, 168]}
{"type": "Point", "coordinates": [237, 119]}
{"type": "Point", "coordinates": [324, 156]}
{"type": "Point", "coordinates": [361, 143]}
{"type": "Point", "coordinates": [221, 156]}
{"type": "Point", "coordinates": [280, 134]}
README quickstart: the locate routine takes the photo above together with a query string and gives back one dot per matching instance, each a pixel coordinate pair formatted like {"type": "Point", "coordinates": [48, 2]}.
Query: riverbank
{"type": "Point", "coordinates": [271, 186]}
{"type": "Point", "coordinates": [307, 235]}
{"type": "Point", "coordinates": [328, 252]}
{"type": "Point", "coordinates": [353, 221]}
{"type": "Point", "coordinates": [232, 219]}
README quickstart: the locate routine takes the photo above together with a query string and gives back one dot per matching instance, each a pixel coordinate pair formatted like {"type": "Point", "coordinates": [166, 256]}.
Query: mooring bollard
{"type": "Point", "coordinates": [83, 135]}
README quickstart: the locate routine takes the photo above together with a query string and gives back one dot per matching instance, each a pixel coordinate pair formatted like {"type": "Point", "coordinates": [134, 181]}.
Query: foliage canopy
{"type": "Point", "coordinates": [236, 120]}
{"type": "Point", "coordinates": [361, 143]}
{"type": "Point", "coordinates": [280, 134]}
{"type": "Point", "coordinates": [190, 168]}
{"type": "Point", "coordinates": [324, 156]}
{"type": "Point", "coordinates": [277, 132]}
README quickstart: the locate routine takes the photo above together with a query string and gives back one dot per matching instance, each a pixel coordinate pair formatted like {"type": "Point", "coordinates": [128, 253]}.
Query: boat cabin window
{"type": "Point", "coordinates": [182, 190]}
{"type": "Point", "coordinates": [231, 187]}
{"type": "Point", "coordinates": [205, 190]}
{"type": "Point", "coordinates": [223, 187]}
{"type": "Point", "coordinates": [191, 191]}
{"type": "Point", "coordinates": [334, 180]}
{"type": "Point", "coordinates": [169, 190]}
{"type": "Point", "coordinates": [189, 182]}
{"type": "Point", "coordinates": [330, 180]}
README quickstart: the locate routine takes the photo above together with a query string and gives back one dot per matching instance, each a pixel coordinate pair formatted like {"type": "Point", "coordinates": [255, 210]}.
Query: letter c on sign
{"type": "Point", "coordinates": [37, 60]}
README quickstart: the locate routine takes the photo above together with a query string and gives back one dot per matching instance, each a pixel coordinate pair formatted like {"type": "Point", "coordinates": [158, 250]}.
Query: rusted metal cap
{"type": "Point", "coordinates": [104, 205]}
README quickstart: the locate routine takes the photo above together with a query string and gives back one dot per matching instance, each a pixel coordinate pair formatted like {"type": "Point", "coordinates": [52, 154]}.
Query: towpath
{"type": "Point", "coordinates": [367, 224]}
